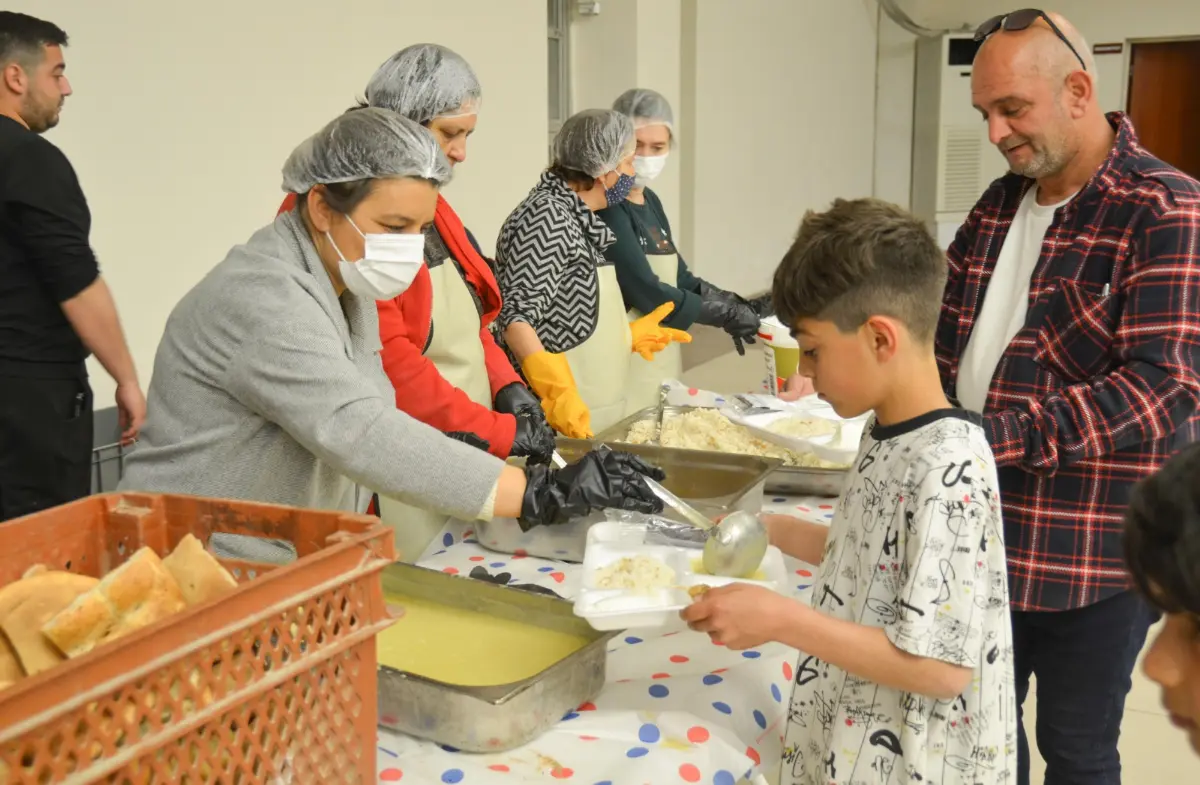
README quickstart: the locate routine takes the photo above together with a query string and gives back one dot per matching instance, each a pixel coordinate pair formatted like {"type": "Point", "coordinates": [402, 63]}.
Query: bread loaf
{"type": "Point", "coordinates": [10, 666]}
{"type": "Point", "coordinates": [34, 601]}
{"type": "Point", "coordinates": [138, 593]}
{"type": "Point", "coordinates": [199, 575]}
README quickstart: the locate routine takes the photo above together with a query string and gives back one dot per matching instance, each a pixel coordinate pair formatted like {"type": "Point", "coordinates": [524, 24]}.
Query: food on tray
{"type": "Point", "coordinates": [468, 648]}
{"type": "Point", "coordinates": [199, 575]}
{"type": "Point", "coordinates": [803, 427]}
{"type": "Point", "coordinates": [639, 573]}
{"type": "Point", "coordinates": [49, 615]}
{"type": "Point", "coordinates": [708, 429]}
{"type": "Point", "coordinates": [696, 591]}
{"type": "Point", "coordinates": [698, 568]}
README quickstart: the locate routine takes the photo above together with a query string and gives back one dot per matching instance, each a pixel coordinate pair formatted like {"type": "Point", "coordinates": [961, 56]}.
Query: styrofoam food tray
{"type": "Point", "coordinates": [841, 446]}
{"type": "Point", "coordinates": [622, 609]}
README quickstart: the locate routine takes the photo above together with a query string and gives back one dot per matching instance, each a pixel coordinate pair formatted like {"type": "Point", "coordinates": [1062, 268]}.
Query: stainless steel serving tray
{"type": "Point", "coordinates": [714, 483]}
{"type": "Point", "coordinates": [489, 719]}
{"type": "Point", "coordinates": [786, 480]}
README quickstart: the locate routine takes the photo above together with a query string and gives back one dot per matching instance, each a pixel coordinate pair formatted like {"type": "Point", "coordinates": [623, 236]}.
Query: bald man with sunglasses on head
{"type": "Point", "coordinates": [1071, 321]}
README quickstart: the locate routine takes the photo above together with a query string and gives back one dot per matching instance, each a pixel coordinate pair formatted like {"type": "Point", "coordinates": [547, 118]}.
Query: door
{"type": "Point", "coordinates": [1164, 101]}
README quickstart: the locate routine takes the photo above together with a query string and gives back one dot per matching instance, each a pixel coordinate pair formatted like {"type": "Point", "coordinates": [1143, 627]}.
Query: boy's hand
{"type": "Point", "coordinates": [738, 616]}
{"type": "Point", "coordinates": [796, 387]}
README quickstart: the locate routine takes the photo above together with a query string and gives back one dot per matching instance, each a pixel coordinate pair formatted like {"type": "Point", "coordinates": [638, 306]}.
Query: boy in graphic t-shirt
{"type": "Point", "coordinates": [905, 673]}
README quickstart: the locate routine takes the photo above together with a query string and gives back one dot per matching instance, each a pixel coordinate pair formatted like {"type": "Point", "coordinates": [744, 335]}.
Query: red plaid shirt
{"type": "Point", "coordinates": [1101, 385]}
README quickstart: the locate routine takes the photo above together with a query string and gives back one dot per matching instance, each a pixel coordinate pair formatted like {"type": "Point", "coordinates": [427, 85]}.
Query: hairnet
{"type": "Point", "coordinates": [365, 144]}
{"type": "Point", "coordinates": [645, 107]}
{"type": "Point", "coordinates": [594, 141]}
{"type": "Point", "coordinates": [425, 81]}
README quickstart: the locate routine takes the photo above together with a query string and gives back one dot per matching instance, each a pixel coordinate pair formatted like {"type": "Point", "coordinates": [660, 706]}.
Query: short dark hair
{"type": "Point", "coordinates": [23, 38]}
{"type": "Point", "coordinates": [1162, 534]}
{"type": "Point", "coordinates": [858, 259]}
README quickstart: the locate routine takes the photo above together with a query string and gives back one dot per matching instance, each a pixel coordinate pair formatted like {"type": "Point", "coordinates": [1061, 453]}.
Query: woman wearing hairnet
{"type": "Point", "coordinates": [649, 268]}
{"type": "Point", "coordinates": [266, 383]}
{"type": "Point", "coordinates": [438, 348]}
{"type": "Point", "coordinates": [563, 320]}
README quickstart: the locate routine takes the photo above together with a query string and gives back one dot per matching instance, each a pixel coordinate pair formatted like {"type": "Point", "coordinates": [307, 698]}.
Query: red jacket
{"type": "Point", "coordinates": [404, 327]}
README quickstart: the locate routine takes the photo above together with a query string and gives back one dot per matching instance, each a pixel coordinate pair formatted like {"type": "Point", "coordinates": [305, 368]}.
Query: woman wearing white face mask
{"type": "Point", "coordinates": [649, 268]}
{"type": "Point", "coordinates": [438, 347]}
{"type": "Point", "coordinates": [268, 386]}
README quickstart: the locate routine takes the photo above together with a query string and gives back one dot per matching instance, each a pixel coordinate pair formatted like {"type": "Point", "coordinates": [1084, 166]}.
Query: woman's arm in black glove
{"type": "Point", "coordinates": [734, 317]}
{"type": "Point", "coordinates": [472, 439]}
{"type": "Point", "coordinates": [534, 438]}
{"type": "Point", "coordinates": [763, 305]}
{"type": "Point", "coordinates": [598, 480]}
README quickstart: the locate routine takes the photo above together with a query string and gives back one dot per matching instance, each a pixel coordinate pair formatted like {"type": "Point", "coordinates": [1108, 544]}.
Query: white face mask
{"type": "Point", "coordinates": [648, 167]}
{"type": "Point", "coordinates": [390, 263]}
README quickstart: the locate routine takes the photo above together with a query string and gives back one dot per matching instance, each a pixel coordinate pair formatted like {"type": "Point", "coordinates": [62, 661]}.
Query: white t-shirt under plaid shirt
{"type": "Point", "coordinates": [916, 548]}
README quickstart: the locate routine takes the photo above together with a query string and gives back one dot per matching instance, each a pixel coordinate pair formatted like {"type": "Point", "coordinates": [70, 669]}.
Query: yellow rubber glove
{"type": "Point", "coordinates": [650, 337]}
{"type": "Point", "coordinates": [550, 377]}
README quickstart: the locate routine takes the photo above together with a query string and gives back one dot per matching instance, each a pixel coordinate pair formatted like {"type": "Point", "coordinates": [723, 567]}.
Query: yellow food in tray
{"type": "Point", "coordinates": [698, 568]}
{"type": "Point", "coordinates": [467, 648]}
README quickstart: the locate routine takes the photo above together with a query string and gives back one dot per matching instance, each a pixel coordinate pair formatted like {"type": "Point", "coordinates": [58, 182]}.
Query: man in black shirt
{"type": "Point", "coordinates": [55, 309]}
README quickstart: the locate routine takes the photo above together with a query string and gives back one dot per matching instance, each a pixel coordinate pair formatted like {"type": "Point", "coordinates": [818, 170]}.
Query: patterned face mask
{"type": "Point", "coordinates": [619, 190]}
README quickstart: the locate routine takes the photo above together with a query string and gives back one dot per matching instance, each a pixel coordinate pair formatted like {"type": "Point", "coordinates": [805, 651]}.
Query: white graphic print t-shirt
{"type": "Point", "coordinates": [916, 548]}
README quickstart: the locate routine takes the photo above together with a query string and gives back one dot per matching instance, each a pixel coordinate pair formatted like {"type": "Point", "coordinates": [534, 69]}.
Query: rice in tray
{"type": "Point", "coordinates": [708, 429]}
{"type": "Point", "coordinates": [638, 573]}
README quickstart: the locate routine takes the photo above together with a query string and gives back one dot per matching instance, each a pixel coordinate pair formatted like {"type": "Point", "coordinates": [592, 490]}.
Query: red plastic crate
{"type": "Point", "coordinates": [273, 683]}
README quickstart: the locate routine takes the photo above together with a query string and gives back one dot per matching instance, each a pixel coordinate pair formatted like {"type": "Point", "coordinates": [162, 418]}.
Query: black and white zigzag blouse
{"type": "Point", "coordinates": [546, 261]}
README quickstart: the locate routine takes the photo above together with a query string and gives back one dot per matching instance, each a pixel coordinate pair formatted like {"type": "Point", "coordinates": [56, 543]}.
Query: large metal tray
{"type": "Point", "coordinates": [489, 719]}
{"type": "Point", "coordinates": [714, 483]}
{"type": "Point", "coordinates": [785, 480]}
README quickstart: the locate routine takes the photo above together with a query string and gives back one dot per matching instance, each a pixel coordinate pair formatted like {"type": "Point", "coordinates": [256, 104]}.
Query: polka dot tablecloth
{"type": "Point", "coordinates": [676, 708]}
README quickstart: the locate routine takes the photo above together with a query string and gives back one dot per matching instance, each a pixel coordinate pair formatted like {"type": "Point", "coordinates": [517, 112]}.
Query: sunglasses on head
{"type": "Point", "coordinates": [1022, 20]}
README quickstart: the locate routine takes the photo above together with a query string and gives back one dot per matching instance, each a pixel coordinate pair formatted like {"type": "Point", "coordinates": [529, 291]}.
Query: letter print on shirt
{"type": "Point", "coordinates": [916, 548]}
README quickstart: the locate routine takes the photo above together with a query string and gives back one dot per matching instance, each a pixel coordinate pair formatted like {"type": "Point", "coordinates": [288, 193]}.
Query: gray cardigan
{"type": "Point", "coordinates": [267, 387]}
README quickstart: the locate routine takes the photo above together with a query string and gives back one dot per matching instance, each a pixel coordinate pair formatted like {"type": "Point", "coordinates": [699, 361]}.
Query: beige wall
{"type": "Point", "coordinates": [631, 43]}
{"type": "Point", "coordinates": [183, 115]}
{"type": "Point", "coordinates": [783, 97]}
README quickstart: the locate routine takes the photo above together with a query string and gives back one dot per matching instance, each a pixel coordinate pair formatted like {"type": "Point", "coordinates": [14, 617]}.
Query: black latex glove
{"type": "Point", "coordinates": [736, 318]}
{"type": "Point", "coordinates": [598, 480]}
{"type": "Point", "coordinates": [764, 306]}
{"type": "Point", "coordinates": [472, 439]}
{"type": "Point", "coordinates": [535, 438]}
{"type": "Point", "coordinates": [503, 578]}
{"type": "Point", "coordinates": [516, 398]}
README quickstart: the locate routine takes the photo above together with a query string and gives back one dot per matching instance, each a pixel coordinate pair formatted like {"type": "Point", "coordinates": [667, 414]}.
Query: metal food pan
{"type": "Point", "coordinates": [503, 717]}
{"type": "Point", "coordinates": [786, 480]}
{"type": "Point", "coordinates": [712, 482]}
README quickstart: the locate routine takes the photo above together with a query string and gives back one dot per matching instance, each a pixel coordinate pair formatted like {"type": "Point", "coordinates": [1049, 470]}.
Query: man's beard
{"type": "Point", "coordinates": [1044, 162]}
{"type": "Point", "coordinates": [41, 116]}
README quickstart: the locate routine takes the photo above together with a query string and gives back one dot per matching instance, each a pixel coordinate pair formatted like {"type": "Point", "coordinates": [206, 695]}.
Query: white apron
{"type": "Point", "coordinates": [457, 353]}
{"type": "Point", "coordinates": [647, 376]}
{"type": "Point", "coordinates": [600, 364]}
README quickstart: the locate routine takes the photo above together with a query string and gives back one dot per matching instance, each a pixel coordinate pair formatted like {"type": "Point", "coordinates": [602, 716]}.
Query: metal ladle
{"type": "Point", "coordinates": [734, 548]}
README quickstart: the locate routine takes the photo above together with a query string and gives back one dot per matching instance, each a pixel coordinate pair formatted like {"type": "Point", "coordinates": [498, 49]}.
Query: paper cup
{"type": "Point", "coordinates": [781, 351]}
